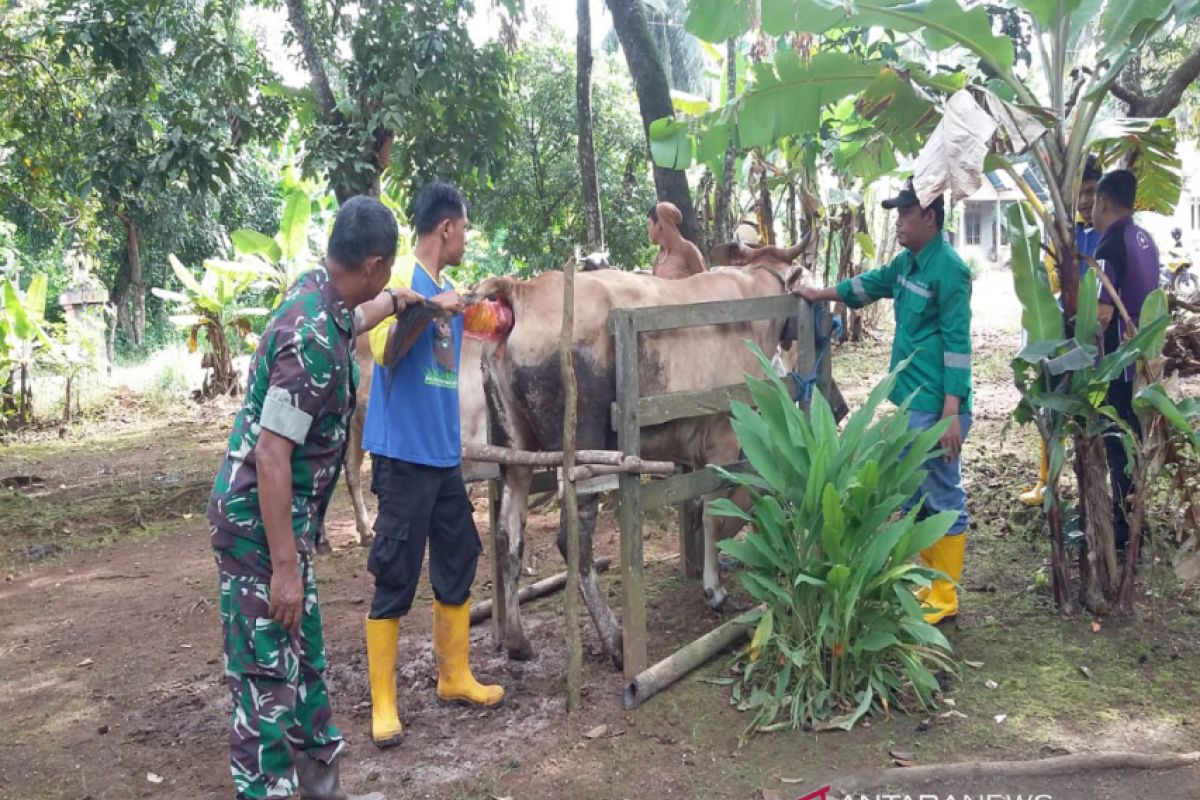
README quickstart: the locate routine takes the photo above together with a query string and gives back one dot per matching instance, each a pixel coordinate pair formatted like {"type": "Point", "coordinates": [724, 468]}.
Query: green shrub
{"type": "Point", "coordinates": [829, 555]}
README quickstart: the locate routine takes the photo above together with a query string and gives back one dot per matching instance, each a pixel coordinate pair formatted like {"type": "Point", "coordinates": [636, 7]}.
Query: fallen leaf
{"type": "Point", "coordinates": [596, 732]}
{"type": "Point", "coordinates": [1087, 673]}
{"type": "Point", "coordinates": [771, 794]}
{"type": "Point", "coordinates": [718, 681]}
{"type": "Point", "coordinates": [949, 701]}
{"type": "Point", "coordinates": [1095, 627]}
{"type": "Point", "coordinates": [902, 755]}
{"type": "Point", "coordinates": [87, 662]}
{"type": "Point", "coordinates": [1000, 718]}
{"type": "Point", "coordinates": [991, 684]}
{"type": "Point", "coordinates": [791, 780]}
{"type": "Point", "coordinates": [902, 762]}
{"type": "Point", "coordinates": [973, 664]}
{"type": "Point", "coordinates": [150, 776]}
{"type": "Point", "coordinates": [952, 714]}
{"type": "Point", "coordinates": [185, 647]}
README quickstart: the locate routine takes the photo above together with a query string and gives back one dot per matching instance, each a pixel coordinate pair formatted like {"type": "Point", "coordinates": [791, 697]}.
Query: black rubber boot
{"type": "Point", "coordinates": [321, 781]}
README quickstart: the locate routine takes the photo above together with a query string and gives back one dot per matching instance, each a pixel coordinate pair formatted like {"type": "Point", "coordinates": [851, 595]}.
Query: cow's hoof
{"type": "Point", "coordinates": [520, 650]}
{"type": "Point", "coordinates": [716, 598]}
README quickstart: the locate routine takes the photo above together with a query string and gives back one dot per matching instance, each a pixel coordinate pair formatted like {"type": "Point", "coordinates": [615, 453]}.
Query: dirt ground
{"type": "Point", "coordinates": [110, 672]}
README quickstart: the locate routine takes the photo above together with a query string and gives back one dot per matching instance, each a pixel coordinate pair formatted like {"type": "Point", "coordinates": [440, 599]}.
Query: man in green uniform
{"type": "Point", "coordinates": [931, 286]}
{"type": "Point", "coordinates": [283, 461]}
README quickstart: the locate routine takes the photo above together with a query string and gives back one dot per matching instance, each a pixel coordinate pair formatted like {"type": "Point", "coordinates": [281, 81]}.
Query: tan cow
{"type": "Point", "coordinates": [471, 405]}
{"type": "Point", "coordinates": [524, 391]}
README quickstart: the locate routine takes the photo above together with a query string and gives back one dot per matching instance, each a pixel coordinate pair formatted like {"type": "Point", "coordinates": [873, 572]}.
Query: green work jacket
{"type": "Point", "coordinates": [932, 293]}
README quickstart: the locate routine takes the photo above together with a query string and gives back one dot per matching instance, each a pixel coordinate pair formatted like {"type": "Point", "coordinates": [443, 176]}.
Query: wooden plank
{"type": "Point", "coordinates": [660, 408]}
{"type": "Point", "coordinates": [482, 472]}
{"type": "Point", "coordinates": [633, 577]}
{"type": "Point", "coordinates": [691, 540]}
{"type": "Point", "coordinates": [715, 312]}
{"type": "Point", "coordinates": [674, 490]}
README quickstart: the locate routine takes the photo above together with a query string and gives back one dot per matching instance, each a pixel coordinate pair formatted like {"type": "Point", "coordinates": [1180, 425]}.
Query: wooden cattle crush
{"type": "Point", "coordinates": [632, 411]}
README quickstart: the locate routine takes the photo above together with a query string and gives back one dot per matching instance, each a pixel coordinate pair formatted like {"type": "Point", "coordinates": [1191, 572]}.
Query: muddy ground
{"type": "Point", "coordinates": [110, 675]}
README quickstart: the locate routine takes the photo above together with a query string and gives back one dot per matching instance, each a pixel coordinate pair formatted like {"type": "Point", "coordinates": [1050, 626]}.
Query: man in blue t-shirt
{"type": "Point", "coordinates": [413, 435]}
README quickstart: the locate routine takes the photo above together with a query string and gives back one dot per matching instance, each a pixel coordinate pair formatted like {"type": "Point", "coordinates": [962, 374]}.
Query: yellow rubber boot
{"type": "Point", "coordinates": [382, 637]}
{"type": "Point", "coordinates": [451, 643]}
{"type": "Point", "coordinates": [1037, 495]}
{"type": "Point", "coordinates": [942, 598]}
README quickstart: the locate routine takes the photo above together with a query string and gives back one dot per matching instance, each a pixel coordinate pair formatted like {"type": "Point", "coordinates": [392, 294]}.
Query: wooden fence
{"type": "Point", "coordinates": [632, 411]}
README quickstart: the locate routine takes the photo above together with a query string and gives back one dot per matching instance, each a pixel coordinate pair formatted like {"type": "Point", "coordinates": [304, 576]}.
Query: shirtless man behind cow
{"type": "Point", "coordinates": [677, 257]}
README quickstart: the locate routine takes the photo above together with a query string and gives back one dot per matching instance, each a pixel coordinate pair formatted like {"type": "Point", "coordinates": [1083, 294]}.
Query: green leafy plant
{"type": "Point", "coordinates": [23, 338]}
{"type": "Point", "coordinates": [214, 305]}
{"type": "Point", "coordinates": [281, 259]}
{"type": "Point", "coordinates": [830, 554]}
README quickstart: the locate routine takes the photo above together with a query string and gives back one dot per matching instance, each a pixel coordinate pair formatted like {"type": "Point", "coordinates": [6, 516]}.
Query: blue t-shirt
{"type": "Point", "coordinates": [1086, 241]}
{"type": "Point", "coordinates": [413, 411]}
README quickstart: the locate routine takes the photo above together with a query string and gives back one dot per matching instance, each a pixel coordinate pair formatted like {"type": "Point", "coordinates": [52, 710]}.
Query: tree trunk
{"type": "Point", "coordinates": [654, 102]}
{"type": "Point", "coordinates": [723, 213]}
{"type": "Point", "coordinates": [793, 232]}
{"type": "Point", "coordinates": [1060, 570]}
{"type": "Point", "coordinates": [587, 146]}
{"type": "Point", "coordinates": [1096, 502]}
{"type": "Point", "coordinates": [766, 214]}
{"type": "Point", "coordinates": [67, 404]}
{"type": "Point", "coordinates": [25, 405]}
{"type": "Point", "coordinates": [223, 381]}
{"type": "Point", "coordinates": [136, 290]}
{"type": "Point", "coordinates": [346, 180]}
{"type": "Point", "coordinates": [570, 500]}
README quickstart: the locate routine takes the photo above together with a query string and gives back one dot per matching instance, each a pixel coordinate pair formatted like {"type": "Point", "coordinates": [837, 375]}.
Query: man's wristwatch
{"type": "Point", "coordinates": [395, 300]}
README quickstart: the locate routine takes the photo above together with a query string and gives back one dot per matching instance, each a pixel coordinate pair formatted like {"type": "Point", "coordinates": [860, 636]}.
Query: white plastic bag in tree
{"type": "Point", "coordinates": [952, 159]}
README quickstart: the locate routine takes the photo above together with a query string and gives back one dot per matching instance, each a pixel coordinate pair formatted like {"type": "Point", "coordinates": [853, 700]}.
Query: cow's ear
{"type": "Point", "coordinates": [793, 277]}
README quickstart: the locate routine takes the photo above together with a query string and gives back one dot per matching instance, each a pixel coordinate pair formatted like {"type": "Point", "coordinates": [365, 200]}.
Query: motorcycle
{"type": "Point", "coordinates": [1179, 275]}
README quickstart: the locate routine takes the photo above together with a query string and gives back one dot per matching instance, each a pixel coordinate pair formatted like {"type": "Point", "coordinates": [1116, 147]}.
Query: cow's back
{"type": "Point", "coordinates": [687, 359]}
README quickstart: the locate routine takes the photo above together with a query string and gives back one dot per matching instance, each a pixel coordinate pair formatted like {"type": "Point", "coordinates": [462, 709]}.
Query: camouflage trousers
{"type": "Point", "coordinates": [280, 702]}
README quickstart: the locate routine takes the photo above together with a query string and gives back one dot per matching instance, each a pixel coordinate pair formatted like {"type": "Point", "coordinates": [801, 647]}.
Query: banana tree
{"type": "Point", "coordinates": [214, 305]}
{"type": "Point", "coordinates": [281, 259]}
{"type": "Point", "coordinates": [1063, 379]}
{"type": "Point", "coordinates": [23, 338]}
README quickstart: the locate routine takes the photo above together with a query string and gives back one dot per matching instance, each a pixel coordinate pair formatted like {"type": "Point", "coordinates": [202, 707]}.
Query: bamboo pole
{"type": "Point", "coordinates": [941, 774]}
{"type": "Point", "coordinates": [546, 586]}
{"type": "Point", "coordinates": [494, 454]}
{"type": "Point", "coordinates": [585, 471]}
{"type": "Point", "coordinates": [570, 500]}
{"type": "Point", "coordinates": [666, 672]}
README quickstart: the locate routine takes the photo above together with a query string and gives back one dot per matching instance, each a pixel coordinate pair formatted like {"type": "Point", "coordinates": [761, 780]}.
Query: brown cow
{"type": "Point", "coordinates": [524, 391]}
{"type": "Point", "coordinates": [471, 405]}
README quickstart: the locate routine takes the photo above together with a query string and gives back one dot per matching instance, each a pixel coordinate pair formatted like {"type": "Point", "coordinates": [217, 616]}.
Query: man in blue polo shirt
{"type": "Point", "coordinates": [413, 434]}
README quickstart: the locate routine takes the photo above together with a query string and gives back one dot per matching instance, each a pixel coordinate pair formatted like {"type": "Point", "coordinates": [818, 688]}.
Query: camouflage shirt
{"type": "Point", "coordinates": [302, 384]}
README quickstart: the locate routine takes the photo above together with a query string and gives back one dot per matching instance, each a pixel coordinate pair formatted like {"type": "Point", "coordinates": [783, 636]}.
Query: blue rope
{"type": "Point", "coordinates": [806, 383]}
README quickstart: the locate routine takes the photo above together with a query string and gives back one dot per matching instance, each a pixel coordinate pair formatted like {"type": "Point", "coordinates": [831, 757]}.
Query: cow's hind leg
{"type": "Point", "coordinates": [607, 625]}
{"type": "Point", "coordinates": [509, 545]}
{"type": "Point", "coordinates": [354, 464]}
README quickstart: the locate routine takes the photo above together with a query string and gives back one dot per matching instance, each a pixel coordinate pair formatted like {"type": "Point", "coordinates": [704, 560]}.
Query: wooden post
{"type": "Point", "coordinates": [633, 579]}
{"type": "Point", "coordinates": [806, 342]}
{"type": "Point", "coordinates": [691, 538]}
{"type": "Point", "coordinates": [570, 501]}
{"type": "Point", "coordinates": [495, 492]}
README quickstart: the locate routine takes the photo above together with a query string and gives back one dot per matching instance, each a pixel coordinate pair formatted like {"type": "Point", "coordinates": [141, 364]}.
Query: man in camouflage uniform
{"type": "Point", "coordinates": [283, 461]}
